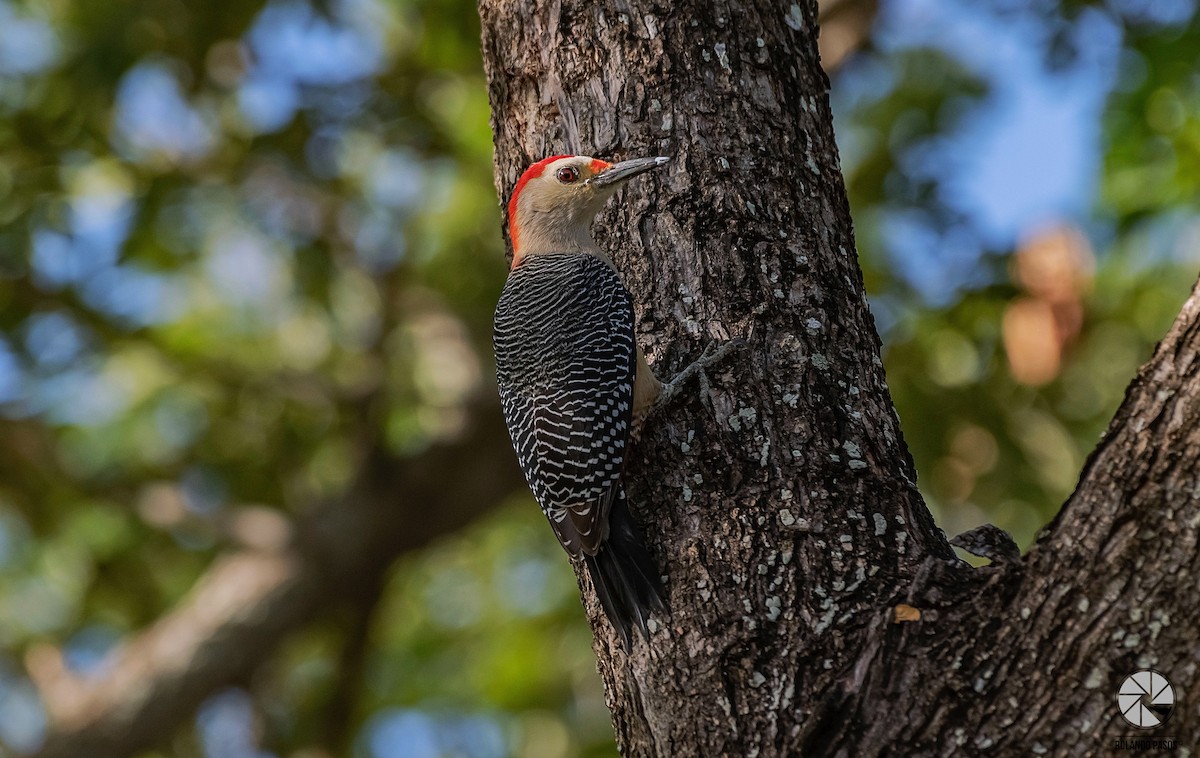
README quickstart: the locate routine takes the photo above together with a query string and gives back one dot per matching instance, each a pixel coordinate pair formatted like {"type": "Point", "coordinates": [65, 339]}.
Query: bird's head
{"type": "Point", "coordinates": [555, 200]}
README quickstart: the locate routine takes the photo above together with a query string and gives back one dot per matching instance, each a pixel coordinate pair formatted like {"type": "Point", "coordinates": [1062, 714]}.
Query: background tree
{"type": "Point", "coordinates": [249, 256]}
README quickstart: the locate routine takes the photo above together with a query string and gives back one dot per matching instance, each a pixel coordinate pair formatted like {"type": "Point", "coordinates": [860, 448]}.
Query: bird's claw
{"type": "Point", "coordinates": [712, 355]}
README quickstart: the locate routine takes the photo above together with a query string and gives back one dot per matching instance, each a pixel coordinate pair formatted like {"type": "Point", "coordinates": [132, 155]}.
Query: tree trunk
{"type": "Point", "coordinates": [781, 501]}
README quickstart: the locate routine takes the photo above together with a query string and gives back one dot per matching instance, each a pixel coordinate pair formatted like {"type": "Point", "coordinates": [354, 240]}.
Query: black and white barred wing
{"type": "Point", "coordinates": [565, 363]}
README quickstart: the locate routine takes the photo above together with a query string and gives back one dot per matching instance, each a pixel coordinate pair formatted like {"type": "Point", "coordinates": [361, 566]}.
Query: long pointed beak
{"type": "Point", "coordinates": [626, 170]}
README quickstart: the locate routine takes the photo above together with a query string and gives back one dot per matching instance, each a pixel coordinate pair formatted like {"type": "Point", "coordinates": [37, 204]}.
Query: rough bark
{"type": "Point", "coordinates": [781, 501]}
{"type": "Point", "coordinates": [250, 600]}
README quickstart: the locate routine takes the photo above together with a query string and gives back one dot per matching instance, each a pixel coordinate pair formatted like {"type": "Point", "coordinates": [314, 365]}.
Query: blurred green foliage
{"type": "Point", "coordinates": [988, 445]}
{"type": "Point", "coordinates": [243, 244]}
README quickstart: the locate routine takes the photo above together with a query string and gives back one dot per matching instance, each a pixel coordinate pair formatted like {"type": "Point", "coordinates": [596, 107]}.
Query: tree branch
{"type": "Point", "coordinates": [1031, 653]}
{"type": "Point", "coordinates": [1112, 584]}
{"type": "Point", "coordinates": [246, 604]}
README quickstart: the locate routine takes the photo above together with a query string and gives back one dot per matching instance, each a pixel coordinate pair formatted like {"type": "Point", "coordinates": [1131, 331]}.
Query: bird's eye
{"type": "Point", "coordinates": [568, 174]}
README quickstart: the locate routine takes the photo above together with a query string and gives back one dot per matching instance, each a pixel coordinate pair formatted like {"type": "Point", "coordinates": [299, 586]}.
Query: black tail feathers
{"type": "Point", "coordinates": [624, 575]}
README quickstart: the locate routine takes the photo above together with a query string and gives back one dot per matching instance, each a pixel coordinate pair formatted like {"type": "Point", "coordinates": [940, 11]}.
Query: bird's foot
{"type": "Point", "coordinates": [711, 357]}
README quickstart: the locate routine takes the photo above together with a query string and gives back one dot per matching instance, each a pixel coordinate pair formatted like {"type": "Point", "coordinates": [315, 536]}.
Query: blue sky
{"type": "Point", "coordinates": [1030, 153]}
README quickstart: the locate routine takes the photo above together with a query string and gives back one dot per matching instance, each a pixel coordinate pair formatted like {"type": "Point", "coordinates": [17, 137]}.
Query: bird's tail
{"type": "Point", "coordinates": [624, 575]}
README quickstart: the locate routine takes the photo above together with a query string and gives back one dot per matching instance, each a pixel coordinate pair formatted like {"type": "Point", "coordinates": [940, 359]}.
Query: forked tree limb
{"type": "Point", "coordinates": [815, 609]}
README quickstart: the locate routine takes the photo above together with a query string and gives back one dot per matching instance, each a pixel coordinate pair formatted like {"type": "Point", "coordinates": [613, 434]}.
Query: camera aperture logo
{"type": "Point", "coordinates": [1146, 699]}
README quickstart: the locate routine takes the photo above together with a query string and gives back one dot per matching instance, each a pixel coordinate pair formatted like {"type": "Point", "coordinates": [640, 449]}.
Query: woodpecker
{"type": "Point", "coordinates": [574, 386]}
